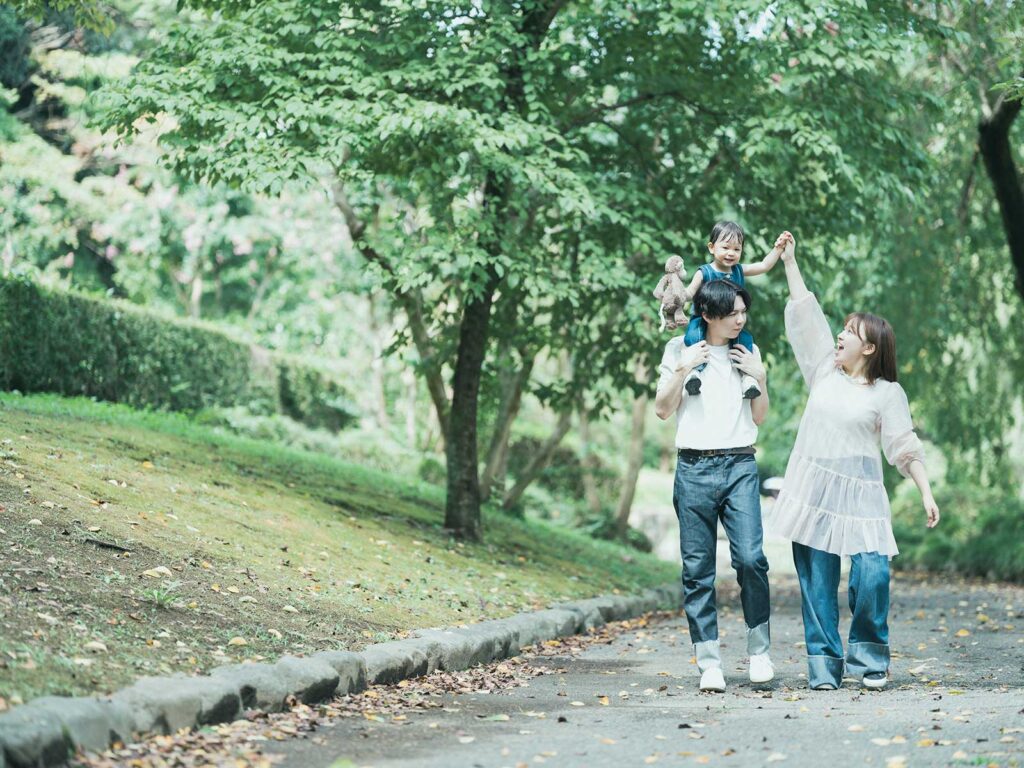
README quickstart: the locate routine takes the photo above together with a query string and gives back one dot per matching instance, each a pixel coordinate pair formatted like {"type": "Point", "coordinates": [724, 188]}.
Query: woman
{"type": "Point", "coordinates": [833, 502]}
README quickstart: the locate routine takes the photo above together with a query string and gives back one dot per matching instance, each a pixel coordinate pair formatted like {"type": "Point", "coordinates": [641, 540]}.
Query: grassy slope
{"type": "Point", "coordinates": [245, 529]}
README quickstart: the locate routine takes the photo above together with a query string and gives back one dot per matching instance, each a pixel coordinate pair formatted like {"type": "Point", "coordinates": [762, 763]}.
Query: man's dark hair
{"type": "Point", "coordinates": [718, 298]}
{"type": "Point", "coordinates": [726, 230]}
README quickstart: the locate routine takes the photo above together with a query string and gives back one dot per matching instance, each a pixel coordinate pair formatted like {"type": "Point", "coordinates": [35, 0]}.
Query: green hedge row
{"type": "Point", "coordinates": [53, 341]}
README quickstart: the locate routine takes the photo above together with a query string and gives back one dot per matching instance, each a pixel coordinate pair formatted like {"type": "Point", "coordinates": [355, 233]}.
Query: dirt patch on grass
{"type": "Point", "coordinates": [151, 548]}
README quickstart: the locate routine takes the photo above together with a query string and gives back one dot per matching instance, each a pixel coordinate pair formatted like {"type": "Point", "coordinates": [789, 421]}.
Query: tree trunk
{"type": "Point", "coordinates": [587, 463]}
{"type": "Point", "coordinates": [380, 401]}
{"type": "Point", "coordinates": [462, 506]}
{"type": "Point", "coordinates": [409, 381]}
{"type": "Point", "coordinates": [636, 457]}
{"type": "Point", "coordinates": [994, 143]}
{"type": "Point", "coordinates": [538, 463]}
{"type": "Point", "coordinates": [498, 449]}
{"type": "Point", "coordinates": [195, 298]}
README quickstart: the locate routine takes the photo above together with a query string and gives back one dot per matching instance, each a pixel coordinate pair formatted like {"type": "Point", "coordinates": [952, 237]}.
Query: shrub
{"type": "Point", "coordinates": [981, 533]}
{"type": "Point", "coordinates": [54, 341]}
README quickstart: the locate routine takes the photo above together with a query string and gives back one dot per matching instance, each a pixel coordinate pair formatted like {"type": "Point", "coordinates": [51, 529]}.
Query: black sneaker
{"type": "Point", "coordinates": [875, 680]}
{"type": "Point", "coordinates": [750, 389]}
{"type": "Point", "coordinates": [692, 383]}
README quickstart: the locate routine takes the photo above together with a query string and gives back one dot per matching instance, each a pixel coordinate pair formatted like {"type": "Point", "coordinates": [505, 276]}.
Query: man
{"type": "Point", "coordinates": [716, 476]}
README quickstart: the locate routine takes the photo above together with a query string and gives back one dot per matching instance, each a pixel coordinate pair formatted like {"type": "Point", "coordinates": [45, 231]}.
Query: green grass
{"type": "Point", "coordinates": [287, 550]}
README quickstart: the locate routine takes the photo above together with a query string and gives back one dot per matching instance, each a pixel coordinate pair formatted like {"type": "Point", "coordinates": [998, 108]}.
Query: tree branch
{"type": "Point", "coordinates": [410, 301]}
{"type": "Point", "coordinates": [539, 462]}
{"type": "Point", "coordinates": [995, 148]}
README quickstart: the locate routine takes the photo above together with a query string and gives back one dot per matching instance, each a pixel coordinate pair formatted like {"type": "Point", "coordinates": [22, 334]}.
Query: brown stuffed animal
{"type": "Point", "coordinates": [672, 295]}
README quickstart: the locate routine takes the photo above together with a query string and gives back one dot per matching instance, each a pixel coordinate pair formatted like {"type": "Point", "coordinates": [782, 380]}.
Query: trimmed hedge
{"type": "Point", "coordinates": [54, 341]}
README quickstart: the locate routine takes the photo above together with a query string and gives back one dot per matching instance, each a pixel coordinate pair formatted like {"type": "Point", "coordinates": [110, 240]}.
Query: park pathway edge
{"type": "Point", "coordinates": [49, 730]}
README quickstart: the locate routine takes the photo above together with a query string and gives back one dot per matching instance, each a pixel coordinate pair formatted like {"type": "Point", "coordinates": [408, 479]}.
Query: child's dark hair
{"type": "Point", "coordinates": [717, 298]}
{"type": "Point", "coordinates": [726, 230]}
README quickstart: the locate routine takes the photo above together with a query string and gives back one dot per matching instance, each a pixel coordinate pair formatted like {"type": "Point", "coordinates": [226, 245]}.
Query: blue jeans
{"type": "Point", "coordinates": [697, 331]}
{"type": "Point", "coordinates": [708, 489]}
{"type": "Point", "coordinates": [868, 649]}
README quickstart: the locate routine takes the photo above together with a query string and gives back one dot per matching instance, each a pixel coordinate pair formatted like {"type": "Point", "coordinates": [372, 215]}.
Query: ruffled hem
{"type": "Point", "coordinates": [828, 531]}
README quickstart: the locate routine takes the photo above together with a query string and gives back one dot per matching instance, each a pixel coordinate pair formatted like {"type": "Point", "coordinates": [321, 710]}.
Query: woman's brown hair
{"type": "Point", "coordinates": [872, 329]}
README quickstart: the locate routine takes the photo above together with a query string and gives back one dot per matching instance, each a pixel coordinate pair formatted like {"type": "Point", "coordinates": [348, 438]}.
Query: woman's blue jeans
{"type": "Point", "coordinates": [708, 489]}
{"type": "Point", "coordinates": [868, 648]}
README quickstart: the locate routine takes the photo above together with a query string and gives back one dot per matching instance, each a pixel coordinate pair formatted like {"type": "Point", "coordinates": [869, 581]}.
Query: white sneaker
{"type": "Point", "coordinates": [713, 680]}
{"type": "Point", "coordinates": [875, 680]}
{"type": "Point", "coordinates": [750, 389]}
{"type": "Point", "coordinates": [761, 668]}
{"type": "Point", "coordinates": [692, 383]}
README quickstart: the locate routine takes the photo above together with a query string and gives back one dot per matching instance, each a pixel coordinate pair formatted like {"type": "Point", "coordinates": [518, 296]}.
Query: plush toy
{"type": "Point", "coordinates": [672, 295]}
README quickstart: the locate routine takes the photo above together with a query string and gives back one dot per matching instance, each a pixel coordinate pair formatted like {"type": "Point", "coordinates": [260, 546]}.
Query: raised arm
{"type": "Point", "coordinates": [797, 287]}
{"type": "Point", "coordinates": [806, 327]}
{"type": "Point", "coordinates": [769, 261]}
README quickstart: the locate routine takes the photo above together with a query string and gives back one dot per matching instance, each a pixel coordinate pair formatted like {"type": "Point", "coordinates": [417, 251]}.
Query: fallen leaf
{"type": "Point", "coordinates": [237, 641]}
{"type": "Point", "coordinates": [855, 728]}
{"type": "Point", "coordinates": [602, 700]}
{"type": "Point", "coordinates": [963, 633]}
{"type": "Point", "coordinates": [775, 757]}
{"type": "Point", "coordinates": [95, 646]}
{"type": "Point", "coordinates": [290, 609]}
{"type": "Point", "coordinates": [158, 572]}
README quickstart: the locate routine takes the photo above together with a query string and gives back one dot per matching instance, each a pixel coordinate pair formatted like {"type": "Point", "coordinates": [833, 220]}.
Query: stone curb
{"type": "Point", "coordinates": [48, 730]}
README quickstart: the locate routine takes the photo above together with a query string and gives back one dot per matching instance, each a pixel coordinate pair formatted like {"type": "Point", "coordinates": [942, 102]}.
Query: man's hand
{"type": "Point", "coordinates": [748, 362]}
{"type": "Point", "coordinates": [693, 356]}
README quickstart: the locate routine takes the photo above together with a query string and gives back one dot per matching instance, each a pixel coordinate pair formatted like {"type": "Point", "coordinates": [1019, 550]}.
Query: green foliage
{"type": "Point", "coordinates": [312, 396]}
{"type": "Point", "coordinates": [559, 164]}
{"type": "Point", "coordinates": [981, 533]}
{"type": "Point", "coordinates": [53, 341]}
{"type": "Point", "coordinates": [92, 14]}
{"type": "Point", "coordinates": [14, 48]}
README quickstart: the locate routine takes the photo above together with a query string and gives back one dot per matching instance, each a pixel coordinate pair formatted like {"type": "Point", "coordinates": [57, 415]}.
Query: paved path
{"type": "Point", "coordinates": [956, 699]}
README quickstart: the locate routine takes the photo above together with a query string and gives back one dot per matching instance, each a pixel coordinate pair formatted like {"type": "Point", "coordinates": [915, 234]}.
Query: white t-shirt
{"type": "Point", "coordinates": [719, 417]}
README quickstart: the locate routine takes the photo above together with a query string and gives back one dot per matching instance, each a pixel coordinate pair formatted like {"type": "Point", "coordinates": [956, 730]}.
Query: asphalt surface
{"type": "Point", "coordinates": [955, 698]}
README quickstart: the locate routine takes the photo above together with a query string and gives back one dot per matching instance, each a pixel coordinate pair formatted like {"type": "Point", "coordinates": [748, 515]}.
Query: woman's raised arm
{"type": "Point", "coordinates": [797, 287]}
{"type": "Point", "coordinates": [806, 326]}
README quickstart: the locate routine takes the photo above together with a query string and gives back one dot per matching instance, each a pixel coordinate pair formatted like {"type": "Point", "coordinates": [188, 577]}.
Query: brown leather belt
{"type": "Point", "coordinates": [689, 453]}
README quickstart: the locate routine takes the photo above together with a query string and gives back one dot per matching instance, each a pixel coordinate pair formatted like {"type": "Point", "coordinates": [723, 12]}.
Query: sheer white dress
{"type": "Point", "coordinates": [832, 497]}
